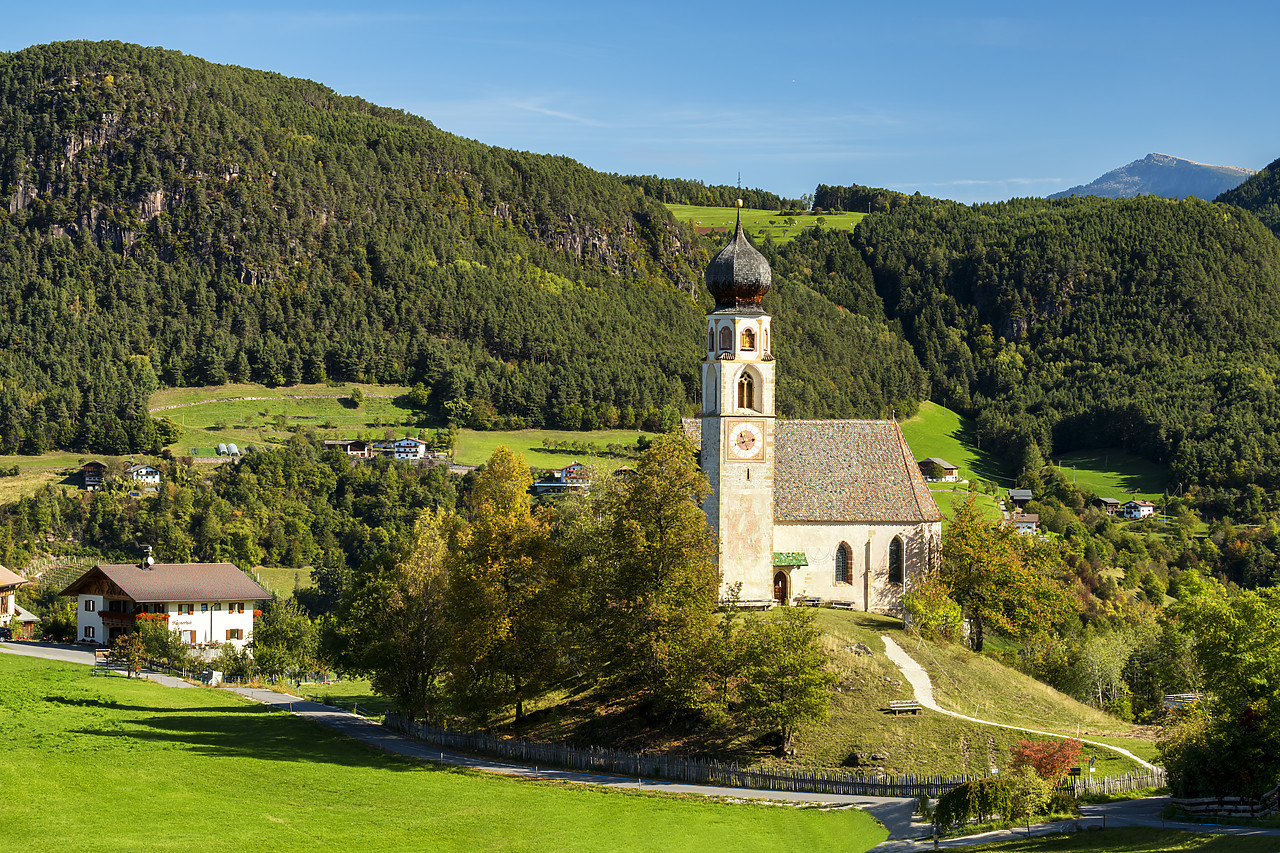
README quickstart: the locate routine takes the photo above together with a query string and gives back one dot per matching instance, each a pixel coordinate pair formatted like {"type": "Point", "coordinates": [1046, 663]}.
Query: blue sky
{"type": "Point", "coordinates": [973, 102]}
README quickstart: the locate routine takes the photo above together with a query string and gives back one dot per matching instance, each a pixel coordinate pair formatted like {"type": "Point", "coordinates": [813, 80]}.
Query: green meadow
{"type": "Point", "coordinates": [758, 223]}
{"type": "Point", "coordinates": [250, 414]}
{"type": "Point", "coordinates": [474, 447]}
{"type": "Point", "coordinates": [1115, 474]}
{"type": "Point", "coordinates": [109, 763]}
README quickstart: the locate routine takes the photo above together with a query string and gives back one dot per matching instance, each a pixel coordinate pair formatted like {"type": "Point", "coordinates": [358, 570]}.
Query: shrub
{"type": "Point", "coordinates": [979, 800]}
{"type": "Point", "coordinates": [1049, 759]}
{"type": "Point", "coordinates": [1029, 794]}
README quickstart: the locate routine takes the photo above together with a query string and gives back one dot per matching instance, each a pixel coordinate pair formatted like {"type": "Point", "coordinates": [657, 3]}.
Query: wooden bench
{"type": "Point", "coordinates": [904, 706]}
{"type": "Point", "coordinates": [843, 605]}
{"type": "Point", "coordinates": [808, 601]}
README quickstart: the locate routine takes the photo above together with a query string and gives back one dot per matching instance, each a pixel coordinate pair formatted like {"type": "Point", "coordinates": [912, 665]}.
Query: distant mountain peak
{"type": "Point", "coordinates": [1163, 175]}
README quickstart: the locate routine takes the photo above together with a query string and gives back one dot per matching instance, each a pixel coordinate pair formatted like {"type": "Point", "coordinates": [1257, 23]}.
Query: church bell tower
{"type": "Point", "coordinates": [738, 418]}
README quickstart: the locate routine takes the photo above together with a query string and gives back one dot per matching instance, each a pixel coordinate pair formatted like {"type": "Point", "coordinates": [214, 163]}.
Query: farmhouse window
{"type": "Point", "coordinates": [88, 632]}
{"type": "Point", "coordinates": [90, 605]}
{"type": "Point", "coordinates": [235, 633]}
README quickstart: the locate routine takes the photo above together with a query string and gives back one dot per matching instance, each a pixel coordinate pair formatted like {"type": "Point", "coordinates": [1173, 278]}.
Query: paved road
{"type": "Point", "coordinates": [893, 812]}
{"type": "Point", "coordinates": [923, 689]}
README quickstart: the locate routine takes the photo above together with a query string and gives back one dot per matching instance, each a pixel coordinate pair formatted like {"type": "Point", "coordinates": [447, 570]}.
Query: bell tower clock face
{"type": "Point", "coordinates": [746, 440]}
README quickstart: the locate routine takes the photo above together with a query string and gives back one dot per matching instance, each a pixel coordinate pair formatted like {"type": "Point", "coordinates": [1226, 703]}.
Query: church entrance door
{"type": "Point", "coordinates": [780, 588]}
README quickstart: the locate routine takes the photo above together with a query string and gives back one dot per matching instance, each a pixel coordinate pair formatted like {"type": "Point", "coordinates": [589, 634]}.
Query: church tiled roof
{"type": "Point", "coordinates": [846, 471]}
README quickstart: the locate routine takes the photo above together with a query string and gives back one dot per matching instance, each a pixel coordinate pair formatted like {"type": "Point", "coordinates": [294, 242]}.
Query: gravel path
{"type": "Point", "coordinates": [923, 689]}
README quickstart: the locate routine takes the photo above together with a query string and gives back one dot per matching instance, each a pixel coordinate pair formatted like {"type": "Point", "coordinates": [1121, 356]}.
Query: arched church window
{"type": "Point", "coordinates": [746, 392]}
{"type": "Point", "coordinates": [749, 340]}
{"type": "Point", "coordinates": [711, 340]}
{"type": "Point", "coordinates": [895, 560]}
{"type": "Point", "coordinates": [844, 564]}
{"type": "Point", "coordinates": [726, 338]}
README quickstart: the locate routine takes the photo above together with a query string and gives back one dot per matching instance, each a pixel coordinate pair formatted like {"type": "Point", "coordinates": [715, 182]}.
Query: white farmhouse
{"type": "Point", "coordinates": [207, 603]}
{"type": "Point", "coordinates": [148, 475]}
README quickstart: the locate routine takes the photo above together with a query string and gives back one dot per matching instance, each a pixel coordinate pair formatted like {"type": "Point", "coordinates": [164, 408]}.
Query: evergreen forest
{"type": "Point", "coordinates": [174, 222]}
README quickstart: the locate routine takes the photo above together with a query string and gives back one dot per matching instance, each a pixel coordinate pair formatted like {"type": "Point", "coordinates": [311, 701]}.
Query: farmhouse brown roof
{"type": "Point", "coordinates": [843, 471]}
{"type": "Point", "coordinates": [10, 579]}
{"type": "Point", "coordinates": [176, 582]}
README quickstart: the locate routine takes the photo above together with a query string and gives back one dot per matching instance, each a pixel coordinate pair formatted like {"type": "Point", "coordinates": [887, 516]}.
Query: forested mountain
{"type": "Point", "coordinates": [170, 221]}
{"type": "Point", "coordinates": [1160, 174]}
{"type": "Point", "coordinates": [1260, 195]}
{"type": "Point", "coordinates": [1087, 322]}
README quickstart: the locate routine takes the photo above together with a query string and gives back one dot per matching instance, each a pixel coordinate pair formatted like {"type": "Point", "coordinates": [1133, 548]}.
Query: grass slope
{"type": "Point", "coordinates": [758, 223]}
{"type": "Point", "coordinates": [117, 764]}
{"type": "Point", "coordinates": [859, 733]}
{"type": "Point", "coordinates": [1112, 473]}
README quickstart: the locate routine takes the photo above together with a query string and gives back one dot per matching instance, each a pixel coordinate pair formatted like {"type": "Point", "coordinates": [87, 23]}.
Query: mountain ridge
{"type": "Point", "coordinates": [1163, 175]}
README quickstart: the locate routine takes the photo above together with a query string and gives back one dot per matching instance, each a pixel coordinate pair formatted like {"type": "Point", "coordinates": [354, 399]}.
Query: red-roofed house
{"type": "Point", "coordinates": [1139, 509]}
{"type": "Point", "coordinates": [208, 603]}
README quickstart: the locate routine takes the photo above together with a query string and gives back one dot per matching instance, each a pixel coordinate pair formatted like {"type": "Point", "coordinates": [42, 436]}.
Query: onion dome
{"type": "Point", "coordinates": [739, 276]}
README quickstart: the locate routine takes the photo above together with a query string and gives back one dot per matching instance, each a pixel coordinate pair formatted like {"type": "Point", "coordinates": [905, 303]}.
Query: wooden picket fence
{"type": "Point", "coordinates": [1236, 807]}
{"type": "Point", "coordinates": [702, 772]}
{"type": "Point", "coordinates": [1136, 781]}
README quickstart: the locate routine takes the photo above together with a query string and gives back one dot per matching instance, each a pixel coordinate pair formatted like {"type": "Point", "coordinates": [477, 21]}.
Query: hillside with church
{"type": "Point", "coordinates": [173, 223]}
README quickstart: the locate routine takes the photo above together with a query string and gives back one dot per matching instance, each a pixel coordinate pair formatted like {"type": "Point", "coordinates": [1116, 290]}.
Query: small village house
{"type": "Point", "coordinates": [207, 603]}
{"type": "Point", "coordinates": [1110, 506]}
{"type": "Point", "coordinates": [93, 472]}
{"type": "Point", "coordinates": [147, 475]}
{"type": "Point", "coordinates": [937, 470]}
{"type": "Point", "coordinates": [1020, 498]}
{"type": "Point", "coordinates": [1028, 522]}
{"type": "Point", "coordinates": [1139, 509]}
{"type": "Point", "coordinates": [20, 622]}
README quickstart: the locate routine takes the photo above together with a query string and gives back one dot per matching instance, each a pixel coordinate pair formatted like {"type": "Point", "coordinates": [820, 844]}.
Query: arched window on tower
{"type": "Point", "coordinates": [711, 340]}
{"type": "Point", "coordinates": [745, 392]}
{"type": "Point", "coordinates": [726, 339]}
{"type": "Point", "coordinates": [748, 340]}
{"type": "Point", "coordinates": [895, 560]}
{"type": "Point", "coordinates": [766, 340]}
{"type": "Point", "coordinates": [844, 564]}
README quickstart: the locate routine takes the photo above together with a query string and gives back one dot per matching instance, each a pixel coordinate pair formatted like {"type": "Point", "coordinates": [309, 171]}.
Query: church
{"type": "Point", "coordinates": [834, 510]}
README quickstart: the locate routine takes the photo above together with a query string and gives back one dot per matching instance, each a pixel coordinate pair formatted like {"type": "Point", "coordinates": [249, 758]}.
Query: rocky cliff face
{"type": "Point", "coordinates": [1162, 175]}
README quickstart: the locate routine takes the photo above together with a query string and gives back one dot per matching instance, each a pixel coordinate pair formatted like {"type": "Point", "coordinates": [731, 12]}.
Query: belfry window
{"type": "Point", "coordinates": [844, 561]}
{"type": "Point", "coordinates": [748, 340]}
{"type": "Point", "coordinates": [895, 560]}
{"type": "Point", "coordinates": [745, 392]}
{"type": "Point", "coordinates": [726, 339]}
{"type": "Point", "coordinates": [711, 340]}
{"type": "Point", "coordinates": [766, 340]}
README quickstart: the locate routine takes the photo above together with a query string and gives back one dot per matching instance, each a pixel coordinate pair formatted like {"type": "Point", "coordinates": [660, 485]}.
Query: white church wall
{"type": "Point", "coordinates": [869, 547]}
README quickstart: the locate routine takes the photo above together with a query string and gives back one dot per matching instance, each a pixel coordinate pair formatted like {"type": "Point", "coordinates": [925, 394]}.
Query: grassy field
{"type": "Point", "coordinates": [1114, 474]}
{"type": "Point", "coordinates": [938, 431]}
{"type": "Point", "coordinates": [474, 447]}
{"type": "Point", "coordinates": [283, 580]}
{"type": "Point", "coordinates": [757, 223]}
{"type": "Point", "coordinates": [1136, 840]}
{"type": "Point", "coordinates": [254, 414]}
{"type": "Point", "coordinates": [118, 764]}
